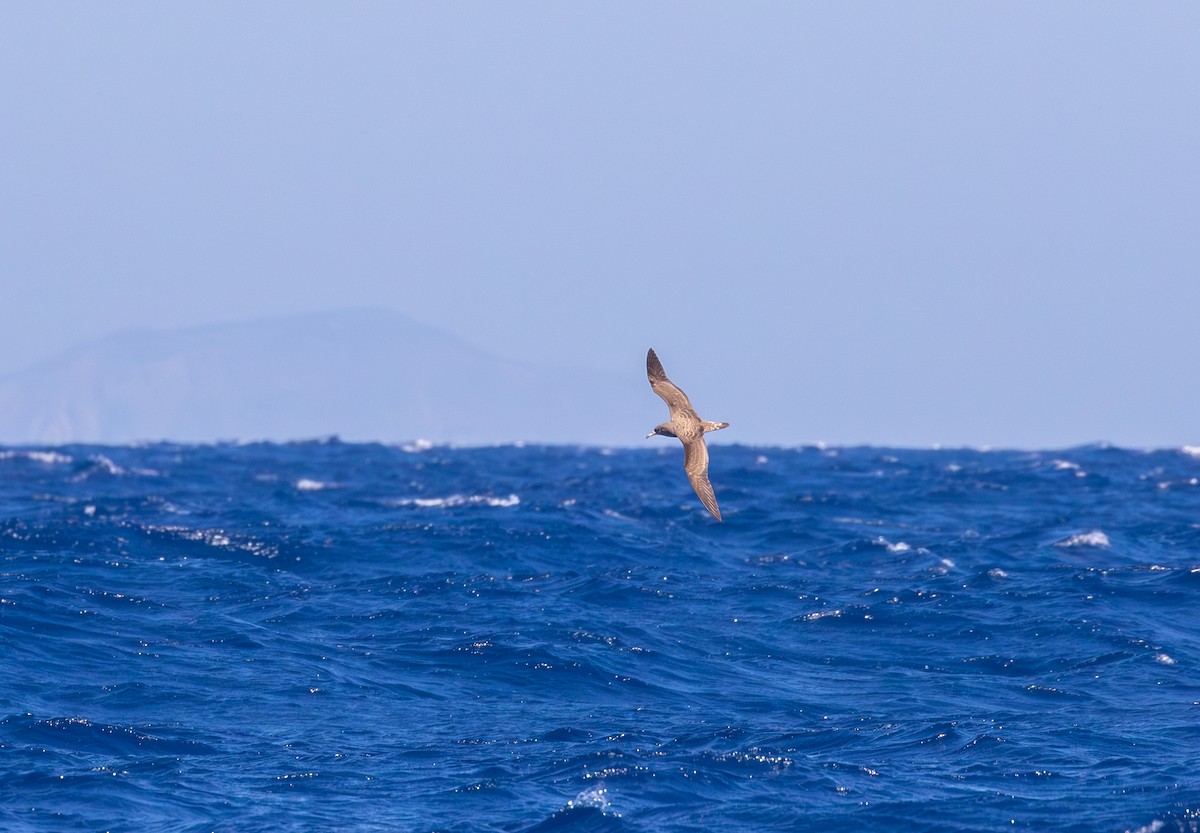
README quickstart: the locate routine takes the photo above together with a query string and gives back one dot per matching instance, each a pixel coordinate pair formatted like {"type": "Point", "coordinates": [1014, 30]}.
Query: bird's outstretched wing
{"type": "Point", "coordinates": [695, 463]}
{"type": "Point", "coordinates": [664, 387]}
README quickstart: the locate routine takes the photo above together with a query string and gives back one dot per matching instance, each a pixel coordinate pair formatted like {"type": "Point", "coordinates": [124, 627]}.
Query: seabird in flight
{"type": "Point", "coordinates": [688, 428]}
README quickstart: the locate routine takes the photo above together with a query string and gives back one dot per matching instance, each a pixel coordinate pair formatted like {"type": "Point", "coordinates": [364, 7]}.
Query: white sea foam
{"type": "Point", "coordinates": [822, 614]}
{"type": "Point", "coordinates": [595, 797]}
{"type": "Point", "coordinates": [456, 500]}
{"type": "Point", "coordinates": [1095, 538]}
{"type": "Point", "coordinates": [417, 446]}
{"type": "Point", "coordinates": [1191, 450]}
{"type": "Point", "coordinates": [1067, 465]}
{"type": "Point", "coordinates": [899, 546]}
{"type": "Point", "coordinates": [99, 464]}
{"type": "Point", "coordinates": [48, 457]}
{"type": "Point", "coordinates": [105, 464]}
{"type": "Point", "coordinates": [305, 484]}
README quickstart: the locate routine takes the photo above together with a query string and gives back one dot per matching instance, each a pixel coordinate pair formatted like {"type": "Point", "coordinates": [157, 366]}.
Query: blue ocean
{"type": "Point", "coordinates": [355, 637]}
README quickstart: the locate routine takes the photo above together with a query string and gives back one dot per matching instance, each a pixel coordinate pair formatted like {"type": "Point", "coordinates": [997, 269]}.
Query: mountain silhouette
{"type": "Point", "coordinates": [360, 375]}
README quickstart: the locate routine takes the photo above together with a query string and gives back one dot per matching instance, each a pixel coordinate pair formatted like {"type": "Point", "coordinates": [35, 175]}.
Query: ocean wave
{"type": "Point", "coordinates": [305, 484]}
{"type": "Point", "coordinates": [588, 812]}
{"type": "Point", "coordinates": [452, 501]}
{"type": "Point", "coordinates": [897, 547]}
{"type": "Point", "coordinates": [47, 457]}
{"type": "Point", "coordinates": [214, 538]}
{"type": "Point", "coordinates": [1094, 538]}
{"type": "Point", "coordinates": [561, 639]}
{"type": "Point", "coordinates": [81, 734]}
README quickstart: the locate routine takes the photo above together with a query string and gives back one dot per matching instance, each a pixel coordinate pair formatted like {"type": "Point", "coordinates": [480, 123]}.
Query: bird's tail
{"type": "Point", "coordinates": [714, 426]}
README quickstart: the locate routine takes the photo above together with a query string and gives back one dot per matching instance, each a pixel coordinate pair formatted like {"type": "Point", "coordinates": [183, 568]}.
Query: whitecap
{"type": "Point", "coordinates": [305, 484]}
{"type": "Point", "coordinates": [594, 797]}
{"type": "Point", "coordinates": [456, 500]}
{"type": "Point", "coordinates": [1191, 450]}
{"type": "Point", "coordinates": [48, 457]}
{"type": "Point", "coordinates": [99, 464]}
{"type": "Point", "coordinates": [417, 446]}
{"type": "Point", "coordinates": [899, 546]}
{"type": "Point", "coordinates": [105, 464]}
{"type": "Point", "coordinates": [1095, 538]}
{"type": "Point", "coordinates": [822, 614]}
{"type": "Point", "coordinates": [1067, 465]}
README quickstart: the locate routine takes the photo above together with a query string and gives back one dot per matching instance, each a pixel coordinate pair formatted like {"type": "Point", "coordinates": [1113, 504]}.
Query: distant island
{"type": "Point", "coordinates": [359, 374]}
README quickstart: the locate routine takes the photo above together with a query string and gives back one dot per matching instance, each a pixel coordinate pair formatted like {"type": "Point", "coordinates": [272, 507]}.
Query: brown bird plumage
{"type": "Point", "coordinates": [687, 426]}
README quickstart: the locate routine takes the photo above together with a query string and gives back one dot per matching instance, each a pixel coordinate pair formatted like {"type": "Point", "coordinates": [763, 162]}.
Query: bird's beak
{"type": "Point", "coordinates": [651, 434]}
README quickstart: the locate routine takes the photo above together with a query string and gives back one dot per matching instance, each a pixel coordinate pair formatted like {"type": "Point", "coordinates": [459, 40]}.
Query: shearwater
{"type": "Point", "coordinates": [688, 428]}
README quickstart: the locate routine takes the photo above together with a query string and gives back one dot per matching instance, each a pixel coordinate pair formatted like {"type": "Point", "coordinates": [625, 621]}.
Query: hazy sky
{"type": "Point", "coordinates": [896, 223]}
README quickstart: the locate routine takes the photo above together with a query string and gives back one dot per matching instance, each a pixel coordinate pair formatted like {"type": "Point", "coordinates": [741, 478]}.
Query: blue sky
{"type": "Point", "coordinates": [913, 223]}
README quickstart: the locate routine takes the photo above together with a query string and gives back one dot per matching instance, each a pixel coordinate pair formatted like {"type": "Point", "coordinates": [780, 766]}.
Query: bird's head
{"type": "Point", "coordinates": [663, 430]}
